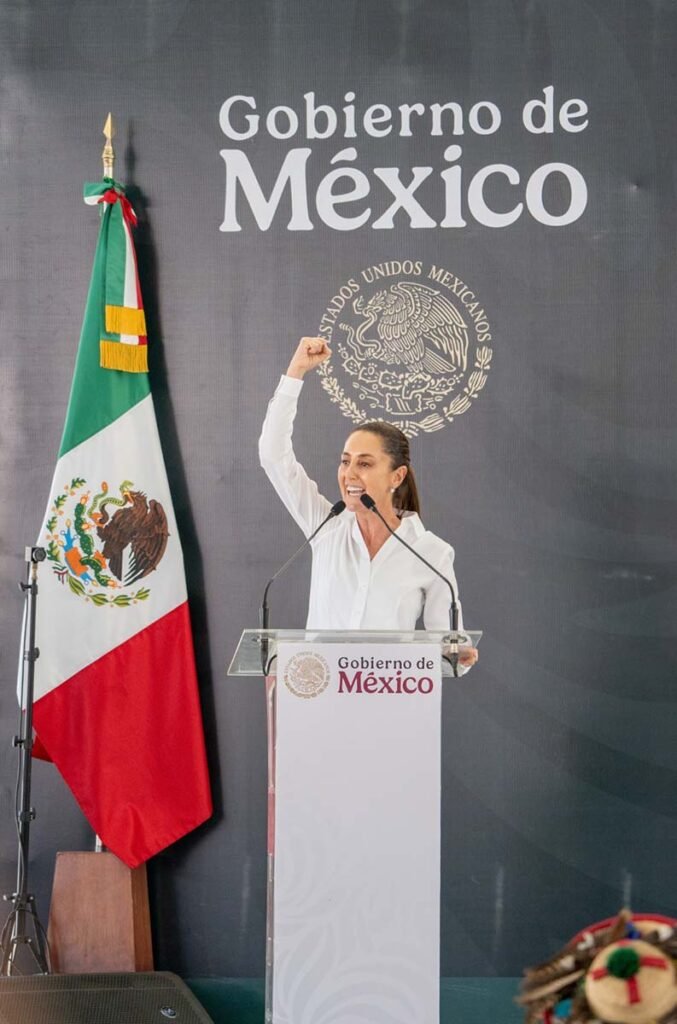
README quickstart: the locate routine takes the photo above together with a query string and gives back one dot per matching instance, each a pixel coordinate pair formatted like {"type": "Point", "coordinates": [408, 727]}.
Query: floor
{"type": "Point", "coordinates": [462, 1000]}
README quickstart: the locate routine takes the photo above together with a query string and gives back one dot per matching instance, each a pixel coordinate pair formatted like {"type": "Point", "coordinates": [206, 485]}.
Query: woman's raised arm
{"type": "Point", "coordinates": [276, 453]}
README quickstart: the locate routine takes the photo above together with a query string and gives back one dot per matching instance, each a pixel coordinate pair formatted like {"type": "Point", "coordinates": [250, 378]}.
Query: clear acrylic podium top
{"type": "Point", "coordinates": [247, 660]}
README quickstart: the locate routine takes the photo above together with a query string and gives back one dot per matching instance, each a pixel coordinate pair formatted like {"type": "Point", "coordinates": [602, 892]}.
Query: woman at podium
{"type": "Point", "coordinates": [362, 577]}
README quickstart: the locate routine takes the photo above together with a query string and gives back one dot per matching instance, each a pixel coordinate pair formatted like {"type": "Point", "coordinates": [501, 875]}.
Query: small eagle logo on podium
{"type": "Point", "coordinates": [307, 674]}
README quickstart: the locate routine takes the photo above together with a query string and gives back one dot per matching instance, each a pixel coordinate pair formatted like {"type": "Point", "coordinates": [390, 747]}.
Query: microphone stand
{"type": "Point", "coordinates": [23, 926]}
{"type": "Point", "coordinates": [452, 658]}
{"type": "Point", "coordinates": [334, 511]}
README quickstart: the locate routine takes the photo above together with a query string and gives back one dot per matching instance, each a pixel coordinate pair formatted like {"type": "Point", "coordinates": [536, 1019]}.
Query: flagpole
{"type": "Point", "coordinates": [108, 157]}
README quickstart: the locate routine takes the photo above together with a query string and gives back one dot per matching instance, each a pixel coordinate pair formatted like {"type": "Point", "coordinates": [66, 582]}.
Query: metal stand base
{"type": "Point", "coordinates": [23, 931]}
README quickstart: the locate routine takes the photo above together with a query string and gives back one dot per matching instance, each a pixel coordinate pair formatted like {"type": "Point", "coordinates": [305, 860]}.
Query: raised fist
{"type": "Point", "coordinates": [309, 354]}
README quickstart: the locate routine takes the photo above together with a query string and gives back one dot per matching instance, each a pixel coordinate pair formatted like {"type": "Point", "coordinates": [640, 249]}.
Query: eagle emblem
{"type": "Point", "coordinates": [102, 545]}
{"type": "Point", "coordinates": [413, 344]}
{"type": "Point", "coordinates": [418, 329]}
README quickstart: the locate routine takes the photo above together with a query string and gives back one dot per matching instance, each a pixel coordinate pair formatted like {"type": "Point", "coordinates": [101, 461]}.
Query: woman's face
{"type": "Point", "coordinates": [365, 468]}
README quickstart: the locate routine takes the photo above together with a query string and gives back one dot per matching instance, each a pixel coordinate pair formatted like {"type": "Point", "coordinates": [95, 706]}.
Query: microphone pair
{"type": "Point", "coordinates": [334, 511]}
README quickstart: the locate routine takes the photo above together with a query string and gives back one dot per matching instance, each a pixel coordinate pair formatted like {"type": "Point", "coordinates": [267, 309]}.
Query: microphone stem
{"type": "Point", "coordinates": [264, 611]}
{"type": "Point", "coordinates": [453, 652]}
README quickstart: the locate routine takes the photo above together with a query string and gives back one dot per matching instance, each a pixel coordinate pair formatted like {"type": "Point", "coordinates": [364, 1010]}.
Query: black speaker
{"type": "Point", "coordinates": [155, 998]}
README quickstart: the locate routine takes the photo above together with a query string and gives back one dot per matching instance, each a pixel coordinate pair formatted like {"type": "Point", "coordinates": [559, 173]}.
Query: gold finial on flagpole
{"type": "Point", "coordinates": [108, 156]}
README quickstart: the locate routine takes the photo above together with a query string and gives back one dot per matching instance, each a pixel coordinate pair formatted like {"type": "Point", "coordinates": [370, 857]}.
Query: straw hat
{"type": "Point", "coordinates": [618, 971]}
{"type": "Point", "coordinates": [631, 982]}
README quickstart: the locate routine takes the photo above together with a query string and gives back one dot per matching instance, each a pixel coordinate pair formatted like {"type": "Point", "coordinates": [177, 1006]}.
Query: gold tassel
{"type": "Point", "coordinates": [117, 356]}
{"type": "Point", "coordinates": [125, 320]}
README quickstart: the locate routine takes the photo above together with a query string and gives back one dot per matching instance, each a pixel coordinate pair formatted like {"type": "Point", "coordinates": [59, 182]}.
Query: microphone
{"type": "Point", "coordinates": [334, 511]}
{"type": "Point", "coordinates": [369, 503]}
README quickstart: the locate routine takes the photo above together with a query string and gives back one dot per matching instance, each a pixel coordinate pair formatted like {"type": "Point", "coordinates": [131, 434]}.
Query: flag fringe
{"type": "Point", "coordinates": [125, 320]}
{"type": "Point", "coordinates": [117, 356]}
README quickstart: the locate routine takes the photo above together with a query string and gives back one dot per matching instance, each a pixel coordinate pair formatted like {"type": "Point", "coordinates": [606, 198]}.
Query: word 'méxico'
{"type": "Point", "coordinates": [365, 680]}
{"type": "Point", "coordinates": [349, 195]}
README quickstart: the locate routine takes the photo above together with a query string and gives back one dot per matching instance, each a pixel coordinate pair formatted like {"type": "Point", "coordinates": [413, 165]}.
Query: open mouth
{"type": "Point", "coordinates": [354, 492]}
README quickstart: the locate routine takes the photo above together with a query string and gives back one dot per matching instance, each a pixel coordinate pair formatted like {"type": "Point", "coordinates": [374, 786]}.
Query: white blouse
{"type": "Point", "coordinates": [348, 590]}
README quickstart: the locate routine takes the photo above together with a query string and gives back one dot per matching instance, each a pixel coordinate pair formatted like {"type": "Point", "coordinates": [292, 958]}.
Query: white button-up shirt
{"type": "Point", "coordinates": [348, 589]}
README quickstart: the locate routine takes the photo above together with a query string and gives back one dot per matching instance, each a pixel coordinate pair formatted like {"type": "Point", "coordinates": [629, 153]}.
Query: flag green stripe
{"type": "Point", "coordinates": [117, 257]}
{"type": "Point", "coordinates": [98, 396]}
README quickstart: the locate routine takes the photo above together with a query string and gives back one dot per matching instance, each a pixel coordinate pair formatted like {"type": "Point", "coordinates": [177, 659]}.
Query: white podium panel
{"type": "Point", "coordinates": [356, 834]}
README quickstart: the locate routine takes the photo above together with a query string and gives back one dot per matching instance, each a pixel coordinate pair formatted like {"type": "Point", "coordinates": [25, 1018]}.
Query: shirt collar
{"type": "Point", "coordinates": [411, 527]}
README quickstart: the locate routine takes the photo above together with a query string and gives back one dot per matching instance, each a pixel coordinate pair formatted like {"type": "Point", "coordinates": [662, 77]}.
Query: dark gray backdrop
{"type": "Point", "coordinates": [556, 487]}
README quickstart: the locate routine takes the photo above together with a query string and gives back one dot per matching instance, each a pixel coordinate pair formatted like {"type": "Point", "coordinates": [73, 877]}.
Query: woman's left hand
{"type": "Point", "coordinates": [467, 656]}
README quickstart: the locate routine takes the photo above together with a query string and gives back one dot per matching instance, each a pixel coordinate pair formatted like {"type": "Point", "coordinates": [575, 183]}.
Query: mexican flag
{"type": "Point", "coordinates": [116, 700]}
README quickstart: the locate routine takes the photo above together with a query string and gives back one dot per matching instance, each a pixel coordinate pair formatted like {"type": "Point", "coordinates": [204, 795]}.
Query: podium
{"type": "Point", "coordinates": [353, 885]}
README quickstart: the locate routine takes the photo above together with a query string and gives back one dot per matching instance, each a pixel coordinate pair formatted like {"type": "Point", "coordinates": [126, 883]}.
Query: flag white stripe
{"type": "Point", "coordinates": [71, 632]}
{"type": "Point", "coordinates": [130, 298]}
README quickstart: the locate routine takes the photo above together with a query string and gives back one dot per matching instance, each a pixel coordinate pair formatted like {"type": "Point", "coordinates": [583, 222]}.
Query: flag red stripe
{"type": "Point", "coordinates": [143, 340]}
{"type": "Point", "coordinates": [126, 734]}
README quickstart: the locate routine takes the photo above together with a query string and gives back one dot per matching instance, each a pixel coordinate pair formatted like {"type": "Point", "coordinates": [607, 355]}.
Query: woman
{"type": "Point", "coordinates": [362, 578]}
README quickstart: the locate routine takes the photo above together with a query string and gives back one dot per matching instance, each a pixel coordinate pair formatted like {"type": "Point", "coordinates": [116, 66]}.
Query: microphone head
{"type": "Point", "coordinates": [368, 501]}
{"type": "Point", "coordinates": [338, 508]}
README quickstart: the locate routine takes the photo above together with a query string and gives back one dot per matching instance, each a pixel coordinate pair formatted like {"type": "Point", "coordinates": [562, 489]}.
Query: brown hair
{"type": "Point", "coordinates": [396, 445]}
